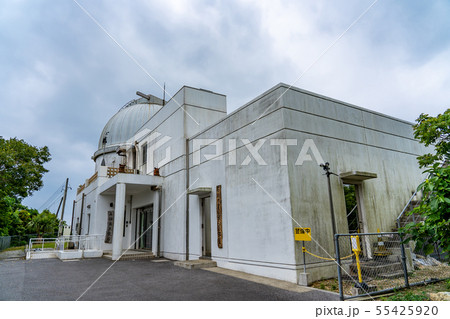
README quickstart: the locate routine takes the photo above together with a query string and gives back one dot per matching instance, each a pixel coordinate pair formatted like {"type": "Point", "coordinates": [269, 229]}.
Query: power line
{"type": "Point", "coordinates": [52, 198]}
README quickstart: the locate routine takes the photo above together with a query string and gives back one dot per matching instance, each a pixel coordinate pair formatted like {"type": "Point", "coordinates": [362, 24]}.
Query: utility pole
{"type": "Point", "coordinates": [61, 227]}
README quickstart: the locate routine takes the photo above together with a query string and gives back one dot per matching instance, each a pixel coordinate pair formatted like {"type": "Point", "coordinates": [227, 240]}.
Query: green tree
{"type": "Point", "coordinates": [7, 206]}
{"type": "Point", "coordinates": [435, 204]}
{"type": "Point", "coordinates": [21, 172]}
{"type": "Point", "coordinates": [21, 167]}
{"type": "Point", "coordinates": [45, 222]}
{"type": "Point", "coordinates": [350, 203]}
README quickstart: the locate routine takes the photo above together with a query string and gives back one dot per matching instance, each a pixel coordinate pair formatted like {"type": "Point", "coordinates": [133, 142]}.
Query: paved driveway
{"type": "Point", "coordinates": [52, 279]}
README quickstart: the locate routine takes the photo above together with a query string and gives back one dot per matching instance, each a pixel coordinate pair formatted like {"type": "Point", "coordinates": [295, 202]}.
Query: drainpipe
{"type": "Point", "coordinates": [129, 221]}
{"type": "Point", "coordinates": [136, 229]}
{"type": "Point", "coordinates": [187, 199]}
{"type": "Point", "coordinates": [81, 214]}
{"type": "Point", "coordinates": [158, 247]}
{"type": "Point", "coordinates": [73, 213]}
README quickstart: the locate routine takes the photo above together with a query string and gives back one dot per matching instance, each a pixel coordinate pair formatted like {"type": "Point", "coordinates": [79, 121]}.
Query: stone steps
{"type": "Point", "coordinates": [132, 255]}
{"type": "Point", "coordinates": [374, 269]}
{"type": "Point", "coordinates": [393, 275]}
{"type": "Point", "coordinates": [196, 264]}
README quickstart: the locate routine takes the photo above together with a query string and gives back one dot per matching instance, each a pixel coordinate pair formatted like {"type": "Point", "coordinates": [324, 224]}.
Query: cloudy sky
{"type": "Point", "coordinates": [62, 76]}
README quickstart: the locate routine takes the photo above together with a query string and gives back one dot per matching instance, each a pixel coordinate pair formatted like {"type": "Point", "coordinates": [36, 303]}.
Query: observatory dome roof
{"type": "Point", "coordinates": [125, 123]}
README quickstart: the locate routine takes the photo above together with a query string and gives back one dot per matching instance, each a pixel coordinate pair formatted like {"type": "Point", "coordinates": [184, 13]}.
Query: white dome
{"type": "Point", "coordinates": [125, 123]}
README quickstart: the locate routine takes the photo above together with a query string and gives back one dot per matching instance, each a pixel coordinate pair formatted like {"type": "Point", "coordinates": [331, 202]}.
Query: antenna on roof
{"type": "Point", "coordinates": [164, 94]}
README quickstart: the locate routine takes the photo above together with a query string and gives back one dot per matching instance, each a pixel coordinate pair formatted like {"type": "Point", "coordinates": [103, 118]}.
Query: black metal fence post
{"type": "Point", "coordinates": [402, 249]}
{"type": "Point", "coordinates": [405, 268]}
{"type": "Point", "coordinates": [338, 260]}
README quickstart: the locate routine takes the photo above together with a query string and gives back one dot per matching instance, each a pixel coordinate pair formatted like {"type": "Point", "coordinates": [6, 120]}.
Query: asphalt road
{"type": "Point", "coordinates": [52, 279]}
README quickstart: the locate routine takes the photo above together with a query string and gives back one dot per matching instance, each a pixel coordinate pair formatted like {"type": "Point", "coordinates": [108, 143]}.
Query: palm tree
{"type": "Point", "coordinates": [45, 222]}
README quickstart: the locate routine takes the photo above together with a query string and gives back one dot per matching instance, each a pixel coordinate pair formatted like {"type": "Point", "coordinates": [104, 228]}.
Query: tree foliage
{"type": "Point", "coordinates": [45, 222]}
{"type": "Point", "coordinates": [435, 204]}
{"type": "Point", "coordinates": [18, 220]}
{"type": "Point", "coordinates": [21, 167]}
{"type": "Point", "coordinates": [21, 172]}
{"type": "Point", "coordinates": [352, 211]}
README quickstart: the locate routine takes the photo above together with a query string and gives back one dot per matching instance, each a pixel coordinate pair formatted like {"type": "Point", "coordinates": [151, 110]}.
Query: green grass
{"type": "Point", "coordinates": [14, 248]}
{"type": "Point", "coordinates": [408, 296]}
{"type": "Point", "coordinates": [46, 245]}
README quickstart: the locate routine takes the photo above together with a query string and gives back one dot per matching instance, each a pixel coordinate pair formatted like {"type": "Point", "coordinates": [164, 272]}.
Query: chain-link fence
{"type": "Point", "coordinates": [381, 263]}
{"type": "Point", "coordinates": [5, 242]}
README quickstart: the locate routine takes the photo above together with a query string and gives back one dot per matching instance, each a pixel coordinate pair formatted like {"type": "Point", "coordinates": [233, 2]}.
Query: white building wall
{"type": "Point", "coordinates": [258, 235]}
{"type": "Point", "coordinates": [263, 202]}
{"type": "Point", "coordinates": [189, 111]}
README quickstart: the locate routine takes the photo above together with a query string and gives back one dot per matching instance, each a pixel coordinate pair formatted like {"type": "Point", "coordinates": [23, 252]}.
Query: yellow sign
{"type": "Point", "coordinates": [302, 234]}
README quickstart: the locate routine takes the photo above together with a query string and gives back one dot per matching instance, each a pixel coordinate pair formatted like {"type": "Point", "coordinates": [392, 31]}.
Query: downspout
{"type": "Point", "coordinates": [81, 214]}
{"type": "Point", "coordinates": [73, 213]}
{"type": "Point", "coordinates": [187, 199]}
{"type": "Point", "coordinates": [158, 247]}
{"type": "Point", "coordinates": [136, 229]}
{"type": "Point", "coordinates": [129, 221]}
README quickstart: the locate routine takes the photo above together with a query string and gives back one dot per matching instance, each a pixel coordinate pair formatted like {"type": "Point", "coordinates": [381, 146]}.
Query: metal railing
{"type": "Point", "coordinates": [42, 244]}
{"type": "Point", "coordinates": [80, 242]}
{"type": "Point", "coordinates": [62, 243]}
{"type": "Point", "coordinates": [405, 209]}
{"type": "Point", "coordinates": [112, 171]}
{"type": "Point", "coordinates": [381, 263]}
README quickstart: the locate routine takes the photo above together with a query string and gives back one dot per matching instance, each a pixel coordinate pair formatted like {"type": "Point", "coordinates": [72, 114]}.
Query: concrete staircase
{"type": "Point", "coordinates": [406, 218]}
{"type": "Point", "coordinates": [387, 269]}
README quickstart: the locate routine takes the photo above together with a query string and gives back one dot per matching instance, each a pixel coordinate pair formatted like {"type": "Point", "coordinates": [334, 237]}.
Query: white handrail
{"type": "Point", "coordinates": [81, 242]}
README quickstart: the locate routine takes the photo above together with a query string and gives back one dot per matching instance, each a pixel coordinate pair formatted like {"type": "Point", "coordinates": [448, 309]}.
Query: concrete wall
{"type": "Point", "coordinates": [257, 230]}
{"type": "Point", "coordinates": [349, 138]}
{"type": "Point", "coordinates": [262, 202]}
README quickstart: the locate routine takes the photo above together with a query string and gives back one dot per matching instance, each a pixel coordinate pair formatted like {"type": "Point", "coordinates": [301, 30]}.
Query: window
{"type": "Point", "coordinates": [144, 154]}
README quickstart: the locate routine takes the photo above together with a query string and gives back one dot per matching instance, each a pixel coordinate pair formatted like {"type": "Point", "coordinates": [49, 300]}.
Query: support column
{"type": "Point", "coordinates": [119, 210]}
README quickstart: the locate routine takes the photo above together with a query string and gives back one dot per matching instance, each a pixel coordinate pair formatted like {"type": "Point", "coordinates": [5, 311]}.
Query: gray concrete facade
{"type": "Point", "coordinates": [265, 156]}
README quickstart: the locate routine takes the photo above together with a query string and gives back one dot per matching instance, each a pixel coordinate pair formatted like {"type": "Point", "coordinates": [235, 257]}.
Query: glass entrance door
{"type": "Point", "coordinates": [145, 227]}
{"type": "Point", "coordinates": [206, 227]}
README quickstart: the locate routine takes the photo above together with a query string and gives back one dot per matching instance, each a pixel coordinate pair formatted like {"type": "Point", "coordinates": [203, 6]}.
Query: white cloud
{"type": "Point", "coordinates": [63, 78]}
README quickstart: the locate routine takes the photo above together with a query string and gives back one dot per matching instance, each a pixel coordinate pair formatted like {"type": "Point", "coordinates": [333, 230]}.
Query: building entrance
{"type": "Point", "coordinates": [145, 217]}
{"type": "Point", "coordinates": [206, 226]}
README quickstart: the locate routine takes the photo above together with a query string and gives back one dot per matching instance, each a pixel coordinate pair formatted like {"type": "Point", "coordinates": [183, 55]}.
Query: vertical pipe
{"type": "Point", "coordinates": [73, 213]}
{"type": "Point", "coordinates": [81, 215]}
{"type": "Point", "coordinates": [187, 199]}
{"type": "Point", "coordinates": [304, 255]}
{"type": "Point", "coordinates": [158, 248]}
{"type": "Point", "coordinates": [136, 221]}
{"type": "Point", "coordinates": [338, 259]}
{"type": "Point", "coordinates": [405, 269]}
{"type": "Point", "coordinates": [331, 203]}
